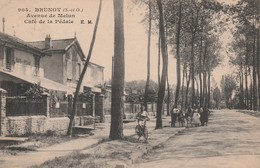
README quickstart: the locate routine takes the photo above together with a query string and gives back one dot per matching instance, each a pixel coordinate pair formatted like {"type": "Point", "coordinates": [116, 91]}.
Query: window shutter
{"type": "Point", "coordinates": [69, 69]}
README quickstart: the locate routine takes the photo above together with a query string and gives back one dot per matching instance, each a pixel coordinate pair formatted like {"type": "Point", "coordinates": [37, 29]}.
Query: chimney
{"type": "Point", "coordinates": [48, 43]}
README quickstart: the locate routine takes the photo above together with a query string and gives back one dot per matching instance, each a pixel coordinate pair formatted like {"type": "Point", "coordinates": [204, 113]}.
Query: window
{"type": "Point", "coordinates": [37, 65]}
{"type": "Point", "coordinates": [78, 71]}
{"type": "Point", "coordinates": [9, 61]}
{"type": "Point", "coordinates": [1, 53]}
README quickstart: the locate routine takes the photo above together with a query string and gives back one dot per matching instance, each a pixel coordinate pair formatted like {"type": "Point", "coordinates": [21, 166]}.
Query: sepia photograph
{"type": "Point", "coordinates": [130, 83]}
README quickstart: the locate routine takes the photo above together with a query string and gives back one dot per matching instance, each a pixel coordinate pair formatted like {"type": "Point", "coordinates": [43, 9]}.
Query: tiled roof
{"type": "Point", "coordinates": [56, 44]}
{"type": "Point", "coordinates": [5, 38]}
{"type": "Point", "coordinates": [60, 44]}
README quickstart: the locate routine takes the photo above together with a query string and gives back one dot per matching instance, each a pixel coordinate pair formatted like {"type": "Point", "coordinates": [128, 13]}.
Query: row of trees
{"type": "Point", "coordinates": [194, 31]}
{"type": "Point", "coordinates": [246, 18]}
{"type": "Point", "coordinates": [190, 29]}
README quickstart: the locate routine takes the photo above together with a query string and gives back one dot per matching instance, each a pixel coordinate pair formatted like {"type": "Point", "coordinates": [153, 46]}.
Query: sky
{"type": "Point", "coordinates": [135, 33]}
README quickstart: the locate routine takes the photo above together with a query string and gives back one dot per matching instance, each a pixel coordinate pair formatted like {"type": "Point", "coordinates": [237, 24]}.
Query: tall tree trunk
{"type": "Point", "coordinates": [117, 105]}
{"type": "Point", "coordinates": [193, 35]}
{"type": "Point", "coordinates": [148, 58]}
{"type": "Point", "coordinates": [254, 77]}
{"type": "Point", "coordinates": [168, 96]}
{"type": "Point", "coordinates": [204, 92]}
{"type": "Point", "coordinates": [192, 72]}
{"type": "Point", "coordinates": [167, 80]}
{"type": "Point", "coordinates": [159, 59]}
{"type": "Point", "coordinates": [204, 89]}
{"type": "Point", "coordinates": [250, 89]}
{"type": "Point", "coordinates": [178, 59]}
{"type": "Point", "coordinates": [208, 104]}
{"type": "Point", "coordinates": [187, 88]}
{"type": "Point", "coordinates": [161, 91]}
{"type": "Point", "coordinates": [241, 77]}
{"type": "Point", "coordinates": [72, 116]}
{"type": "Point", "coordinates": [246, 74]}
{"type": "Point", "coordinates": [258, 64]}
{"type": "Point", "coordinates": [251, 96]}
{"type": "Point", "coordinates": [246, 89]}
{"type": "Point", "coordinates": [200, 72]}
{"type": "Point", "coordinates": [197, 92]}
{"type": "Point", "coordinates": [182, 87]}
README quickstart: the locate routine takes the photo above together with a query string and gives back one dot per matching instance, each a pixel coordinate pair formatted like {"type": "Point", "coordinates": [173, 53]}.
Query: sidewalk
{"type": "Point", "coordinates": [42, 155]}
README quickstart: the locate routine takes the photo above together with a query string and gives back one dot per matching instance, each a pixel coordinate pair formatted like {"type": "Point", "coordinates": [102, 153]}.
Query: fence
{"type": "Point", "coordinates": [84, 109]}
{"type": "Point", "coordinates": [59, 109]}
{"type": "Point", "coordinates": [23, 115]}
{"type": "Point", "coordinates": [24, 106]}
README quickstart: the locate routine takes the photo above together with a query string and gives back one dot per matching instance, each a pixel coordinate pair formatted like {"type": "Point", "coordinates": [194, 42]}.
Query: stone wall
{"type": "Point", "coordinates": [24, 125]}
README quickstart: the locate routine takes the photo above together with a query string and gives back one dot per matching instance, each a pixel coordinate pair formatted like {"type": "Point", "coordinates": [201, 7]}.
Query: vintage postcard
{"type": "Point", "coordinates": [130, 83]}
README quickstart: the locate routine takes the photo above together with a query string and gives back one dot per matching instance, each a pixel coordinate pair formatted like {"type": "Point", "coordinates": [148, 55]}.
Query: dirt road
{"type": "Point", "coordinates": [231, 139]}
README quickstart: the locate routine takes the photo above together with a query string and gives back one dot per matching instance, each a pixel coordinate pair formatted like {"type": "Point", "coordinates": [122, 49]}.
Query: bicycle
{"type": "Point", "coordinates": [141, 130]}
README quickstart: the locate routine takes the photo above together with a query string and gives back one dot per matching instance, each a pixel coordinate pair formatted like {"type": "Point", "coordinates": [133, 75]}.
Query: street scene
{"type": "Point", "coordinates": [230, 140]}
{"type": "Point", "coordinates": [130, 83]}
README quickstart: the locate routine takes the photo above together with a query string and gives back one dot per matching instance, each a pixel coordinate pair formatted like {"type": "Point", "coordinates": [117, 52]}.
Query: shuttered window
{"type": "Point", "coordinates": [69, 69]}
{"type": "Point", "coordinates": [78, 71]}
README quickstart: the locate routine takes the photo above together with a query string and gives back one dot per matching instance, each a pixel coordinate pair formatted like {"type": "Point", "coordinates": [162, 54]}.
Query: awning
{"type": "Point", "coordinates": [96, 90]}
{"type": "Point", "coordinates": [43, 82]}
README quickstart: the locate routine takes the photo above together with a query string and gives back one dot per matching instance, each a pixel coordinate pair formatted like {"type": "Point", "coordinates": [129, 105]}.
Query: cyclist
{"type": "Point", "coordinates": [142, 116]}
{"type": "Point", "coordinates": [141, 129]}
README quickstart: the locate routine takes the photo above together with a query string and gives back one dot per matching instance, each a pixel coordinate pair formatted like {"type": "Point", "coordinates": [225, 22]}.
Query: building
{"type": "Point", "coordinates": [65, 61]}
{"type": "Point", "coordinates": [21, 66]}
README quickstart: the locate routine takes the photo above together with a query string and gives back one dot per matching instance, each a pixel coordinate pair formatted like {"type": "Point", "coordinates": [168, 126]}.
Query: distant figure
{"type": "Point", "coordinates": [174, 115]}
{"type": "Point", "coordinates": [196, 118]}
{"type": "Point", "coordinates": [181, 118]}
{"type": "Point", "coordinates": [204, 115]}
{"type": "Point", "coordinates": [188, 116]}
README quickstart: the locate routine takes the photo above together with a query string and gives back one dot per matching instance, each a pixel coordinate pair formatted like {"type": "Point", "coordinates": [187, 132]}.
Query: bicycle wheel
{"type": "Point", "coordinates": [138, 130]}
{"type": "Point", "coordinates": [145, 133]}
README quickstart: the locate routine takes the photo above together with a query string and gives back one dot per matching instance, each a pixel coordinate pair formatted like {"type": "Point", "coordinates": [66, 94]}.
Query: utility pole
{"type": "Point", "coordinates": [112, 69]}
{"type": "Point", "coordinates": [3, 24]}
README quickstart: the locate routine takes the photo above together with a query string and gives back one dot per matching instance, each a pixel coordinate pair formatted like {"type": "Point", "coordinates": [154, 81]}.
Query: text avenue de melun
{"type": "Point", "coordinates": [59, 15]}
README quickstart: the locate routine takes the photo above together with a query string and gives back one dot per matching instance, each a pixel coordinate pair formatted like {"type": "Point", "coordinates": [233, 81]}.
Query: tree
{"type": "Point", "coordinates": [245, 15]}
{"type": "Point", "coordinates": [161, 91]}
{"type": "Point", "coordinates": [217, 96]}
{"type": "Point", "coordinates": [229, 85]}
{"type": "Point", "coordinates": [69, 132]}
{"type": "Point", "coordinates": [136, 89]}
{"type": "Point", "coordinates": [117, 105]}
{"type": "Point", "coordinates": [178, 59]}
{"type": "Point", "coordinates": [190, 24]}
{"type": "Point", "coordinates": [148, 57]}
